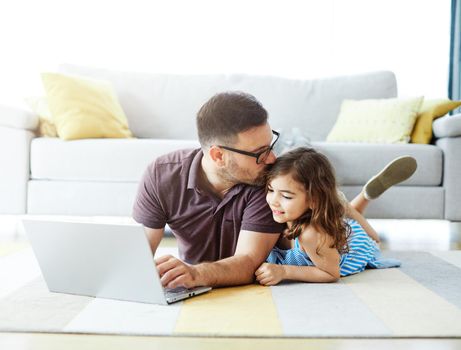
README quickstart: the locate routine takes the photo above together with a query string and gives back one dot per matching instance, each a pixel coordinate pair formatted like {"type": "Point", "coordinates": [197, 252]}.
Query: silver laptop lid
{"type": "Point", "coordinates": [100, 260]}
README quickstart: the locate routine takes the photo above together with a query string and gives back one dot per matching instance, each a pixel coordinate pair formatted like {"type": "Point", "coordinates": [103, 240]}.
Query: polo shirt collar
{"type": "Point", "coordinates": [194, 170]}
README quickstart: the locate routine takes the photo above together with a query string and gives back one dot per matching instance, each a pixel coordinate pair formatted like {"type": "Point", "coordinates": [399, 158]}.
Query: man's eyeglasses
{"type": "Point", "coordinates": [260, 156]}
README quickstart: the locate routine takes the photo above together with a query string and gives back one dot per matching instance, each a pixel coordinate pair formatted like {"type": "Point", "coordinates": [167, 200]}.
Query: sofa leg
{"type": "Point", "coordinates": [455, 234]}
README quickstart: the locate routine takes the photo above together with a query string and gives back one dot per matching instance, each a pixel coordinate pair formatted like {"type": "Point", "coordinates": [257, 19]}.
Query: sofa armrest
{"type": "Point", "coordinates": [15, 169]}
{"type": "Point", "coordinates": [448, 126]}
{"type": "Point", "coordinates": [17, 118]}
{"type": "Point", "coordinates": [451, 147]}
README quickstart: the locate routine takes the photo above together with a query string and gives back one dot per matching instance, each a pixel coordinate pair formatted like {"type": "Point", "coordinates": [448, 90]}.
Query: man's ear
{"type": "Point", "coordinates": [216, 155]}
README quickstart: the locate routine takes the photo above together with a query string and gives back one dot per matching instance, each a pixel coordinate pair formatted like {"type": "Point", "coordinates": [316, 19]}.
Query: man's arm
{"type": "Point", "coordinates": [252, 249]}
{"type": "Point", "coordinates": [154, 236]}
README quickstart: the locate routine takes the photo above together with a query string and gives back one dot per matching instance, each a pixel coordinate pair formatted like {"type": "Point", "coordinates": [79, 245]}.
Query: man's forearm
{"type": "Point", "coordinates": [235, 270]}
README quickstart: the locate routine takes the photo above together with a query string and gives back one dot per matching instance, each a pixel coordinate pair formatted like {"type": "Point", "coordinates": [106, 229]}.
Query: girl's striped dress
{"type": "Point", "coordinates": [363, 253]}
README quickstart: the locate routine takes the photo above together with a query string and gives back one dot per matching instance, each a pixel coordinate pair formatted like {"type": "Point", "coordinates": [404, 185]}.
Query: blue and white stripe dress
{"type": "Point", "coordinates": [363, 253]}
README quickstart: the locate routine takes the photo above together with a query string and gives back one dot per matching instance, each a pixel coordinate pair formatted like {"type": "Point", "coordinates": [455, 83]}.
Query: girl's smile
{"type": "Point", "coordinates": [287, 199]}
{"type": "Point", "coordinates": [277, 212]}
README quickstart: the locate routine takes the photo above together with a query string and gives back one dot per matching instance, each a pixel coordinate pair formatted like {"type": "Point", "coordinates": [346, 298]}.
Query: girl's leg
{"type": "Point", "coordinates": [354, 214]}
{"type": "Point", "coordinates": [393, 173]}
{"type": "Point", "coordinates": [360, 203]}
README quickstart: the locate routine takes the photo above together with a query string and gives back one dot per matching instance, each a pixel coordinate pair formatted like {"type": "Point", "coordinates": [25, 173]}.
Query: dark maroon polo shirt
{"type": "Point", "coordinates": [206, 226]}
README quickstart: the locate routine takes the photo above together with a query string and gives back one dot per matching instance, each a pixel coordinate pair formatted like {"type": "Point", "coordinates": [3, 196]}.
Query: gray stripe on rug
{"type": "Point", "coordinates": [314, 314]}
{"type": "Point", "coordinates": [434, 273]}
{"type": "Point", "coordinates": [34, 308]}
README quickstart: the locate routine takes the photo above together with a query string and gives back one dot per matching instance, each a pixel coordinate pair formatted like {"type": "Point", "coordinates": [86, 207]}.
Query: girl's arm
{"type": "Point", "coordinates": [308, 274]}
{"type": "Point", "coordinates": [352, 213]}
{"type": "Point", "coordinates": [326, 262]}
{"type": "Point", "coordinates": [271, 274]}
{"type": "Point", "coordinates": [326, 259]}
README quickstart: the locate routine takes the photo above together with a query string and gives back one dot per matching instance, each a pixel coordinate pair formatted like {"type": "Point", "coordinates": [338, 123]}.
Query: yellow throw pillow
{"type": "Point", "coordinates": [430, 110]}
{"type": "Point", "coordinates": [84, 108]}
{"type": "Point", "coordinates": [39, 106]}
{"type": "Point", "coordinates": [376, 121]}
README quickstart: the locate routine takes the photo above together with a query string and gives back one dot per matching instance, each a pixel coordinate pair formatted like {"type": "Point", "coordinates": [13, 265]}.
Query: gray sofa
{"type": "Point", "coordinates": [100, 176]}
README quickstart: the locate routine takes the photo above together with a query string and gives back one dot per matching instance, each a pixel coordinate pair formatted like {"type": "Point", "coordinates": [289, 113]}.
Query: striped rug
{"type": "Point", "coordinates": [420, 299]}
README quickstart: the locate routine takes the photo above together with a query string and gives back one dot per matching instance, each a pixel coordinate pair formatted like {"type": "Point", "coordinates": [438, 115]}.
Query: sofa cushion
{"type": "Point", "coordinates": [430, 110]}
{"type": "Point", "coordinates": [356, 163]}
{"type": "Point", "coordinates": [126, 159]}
{"type": "Point", "coordinates": [110, 160]}
{"type": "Point", "coordinates": [39, 105]}
{"type": "Point", "coordinates": [155, 104]}
{"type": "Point", "coordinates": [84, 108]}
{"type": "Point", "coordinates": [382, 121]}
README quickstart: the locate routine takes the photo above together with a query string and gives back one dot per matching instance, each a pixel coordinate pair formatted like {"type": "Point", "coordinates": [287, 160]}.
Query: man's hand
{"type": "Point", "coordinates": [270, 274]}
{"type": "Point", "coordinates": [175, 273]}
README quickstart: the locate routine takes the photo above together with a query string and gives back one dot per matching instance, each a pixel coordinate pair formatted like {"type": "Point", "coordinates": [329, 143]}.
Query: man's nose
{"type": "Point", "coordinates": [271, 158]}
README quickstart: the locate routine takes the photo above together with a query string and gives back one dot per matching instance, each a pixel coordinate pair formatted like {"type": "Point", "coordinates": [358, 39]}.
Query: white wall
{"type": "Point", "coordinates": [292, 38]}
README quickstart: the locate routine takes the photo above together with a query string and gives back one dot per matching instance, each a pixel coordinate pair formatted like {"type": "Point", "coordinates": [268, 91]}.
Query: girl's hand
{"type": "Point", "coordinates": [270, 274]}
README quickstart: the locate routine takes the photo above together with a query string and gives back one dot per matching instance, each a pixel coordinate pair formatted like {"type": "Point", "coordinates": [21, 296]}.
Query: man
{"type": "Point", "coordinates": [213, 199]}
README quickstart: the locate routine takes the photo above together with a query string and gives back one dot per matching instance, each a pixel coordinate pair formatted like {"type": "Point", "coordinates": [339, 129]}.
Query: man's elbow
{"type": "Point", "coordinates": [249, 266]}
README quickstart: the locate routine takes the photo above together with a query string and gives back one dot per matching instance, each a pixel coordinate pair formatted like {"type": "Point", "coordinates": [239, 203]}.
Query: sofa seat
{"type": "Point", "coordinates": [124, 160]}
{"type": "Point", "coordinates": [356, 163]}
{"type": "Point", "coordinates": [89, 176]}
{"type": "Point", "coordinates": [101, 160]}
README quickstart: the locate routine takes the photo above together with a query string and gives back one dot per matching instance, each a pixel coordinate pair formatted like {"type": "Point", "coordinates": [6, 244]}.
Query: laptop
{"type": "Point", "coordinates": [100, 260]}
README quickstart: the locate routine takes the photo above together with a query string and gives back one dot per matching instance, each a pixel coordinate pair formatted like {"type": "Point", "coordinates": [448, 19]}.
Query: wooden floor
{"type": "Point", "coordinates": [396, 235]}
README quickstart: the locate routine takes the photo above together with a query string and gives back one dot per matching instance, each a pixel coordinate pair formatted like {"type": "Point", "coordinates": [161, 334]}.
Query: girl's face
{"type": "Point", "coordinates": [287, 199]}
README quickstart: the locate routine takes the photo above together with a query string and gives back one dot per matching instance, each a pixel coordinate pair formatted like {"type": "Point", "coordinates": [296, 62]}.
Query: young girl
{"type": "Point", "coordinates": [324, 239]}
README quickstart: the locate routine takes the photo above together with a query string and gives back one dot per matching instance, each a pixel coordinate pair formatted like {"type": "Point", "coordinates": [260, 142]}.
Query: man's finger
{"type": "Point", "coordinates": [172, 274]}
{"type": "Point", "coordinates": [168, 265]}
{"type": "Point", "coordinates": [181, 281]}
{"type": "Point", "coordinates": [163, 258]}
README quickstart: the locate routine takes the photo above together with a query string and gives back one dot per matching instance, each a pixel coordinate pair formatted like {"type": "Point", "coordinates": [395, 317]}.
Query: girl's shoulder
{"type": "Point", "coordinates": [309, 232]}
{"type": "Point", "coordinates": [311, 236]}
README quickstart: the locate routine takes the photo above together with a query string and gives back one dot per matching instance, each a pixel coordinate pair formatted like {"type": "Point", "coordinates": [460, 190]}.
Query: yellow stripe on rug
{"type": "Point", "coordinates": [403, 304]}
{"type": "Point", "coordinates": [239, 311]}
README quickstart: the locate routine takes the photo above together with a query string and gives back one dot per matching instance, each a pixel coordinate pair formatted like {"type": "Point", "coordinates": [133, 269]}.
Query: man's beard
{"type": "Point", "coordinates": [236, 175]}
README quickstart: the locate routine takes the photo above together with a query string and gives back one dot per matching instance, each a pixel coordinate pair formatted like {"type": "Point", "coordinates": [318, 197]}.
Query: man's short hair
{"type": "Point", "coordinates": [227, 114]}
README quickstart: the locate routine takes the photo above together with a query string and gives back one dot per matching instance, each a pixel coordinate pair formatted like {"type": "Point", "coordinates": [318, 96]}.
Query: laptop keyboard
{"type": "Point", "coordinates": [173, 291]}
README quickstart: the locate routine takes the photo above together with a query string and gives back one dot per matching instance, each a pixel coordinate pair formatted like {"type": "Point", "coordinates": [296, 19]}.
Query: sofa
{"type": "Point", "coordinates": [43, 175]}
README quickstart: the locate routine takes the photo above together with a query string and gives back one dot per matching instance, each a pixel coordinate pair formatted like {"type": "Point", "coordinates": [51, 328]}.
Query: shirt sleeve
{"type": "Point", "coordinates": [258, 215]}
{"type": "Point", "coordinates": [147, 209]}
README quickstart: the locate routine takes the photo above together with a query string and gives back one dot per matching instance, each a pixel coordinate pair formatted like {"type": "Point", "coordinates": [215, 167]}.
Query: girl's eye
{"type": "Point", "coordinates": [270, 190]}
{"type": "Point", "coordinates": [287, 197]}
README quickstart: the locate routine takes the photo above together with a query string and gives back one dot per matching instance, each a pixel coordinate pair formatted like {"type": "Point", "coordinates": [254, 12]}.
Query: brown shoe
{"type": "Point", "coordinates": [393, 173]}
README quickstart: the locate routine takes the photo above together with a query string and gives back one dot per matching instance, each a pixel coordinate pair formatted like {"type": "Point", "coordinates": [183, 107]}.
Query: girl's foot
{"type": "Point", "coordinates": [393, 173]}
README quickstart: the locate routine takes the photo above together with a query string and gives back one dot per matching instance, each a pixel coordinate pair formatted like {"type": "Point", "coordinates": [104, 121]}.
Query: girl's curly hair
{"type": "Point", "coordinates": [313, 170]}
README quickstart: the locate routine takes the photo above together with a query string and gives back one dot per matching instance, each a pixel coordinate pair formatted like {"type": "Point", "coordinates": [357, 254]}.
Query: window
{"type": "Point", "coordinates": [291, 38]}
